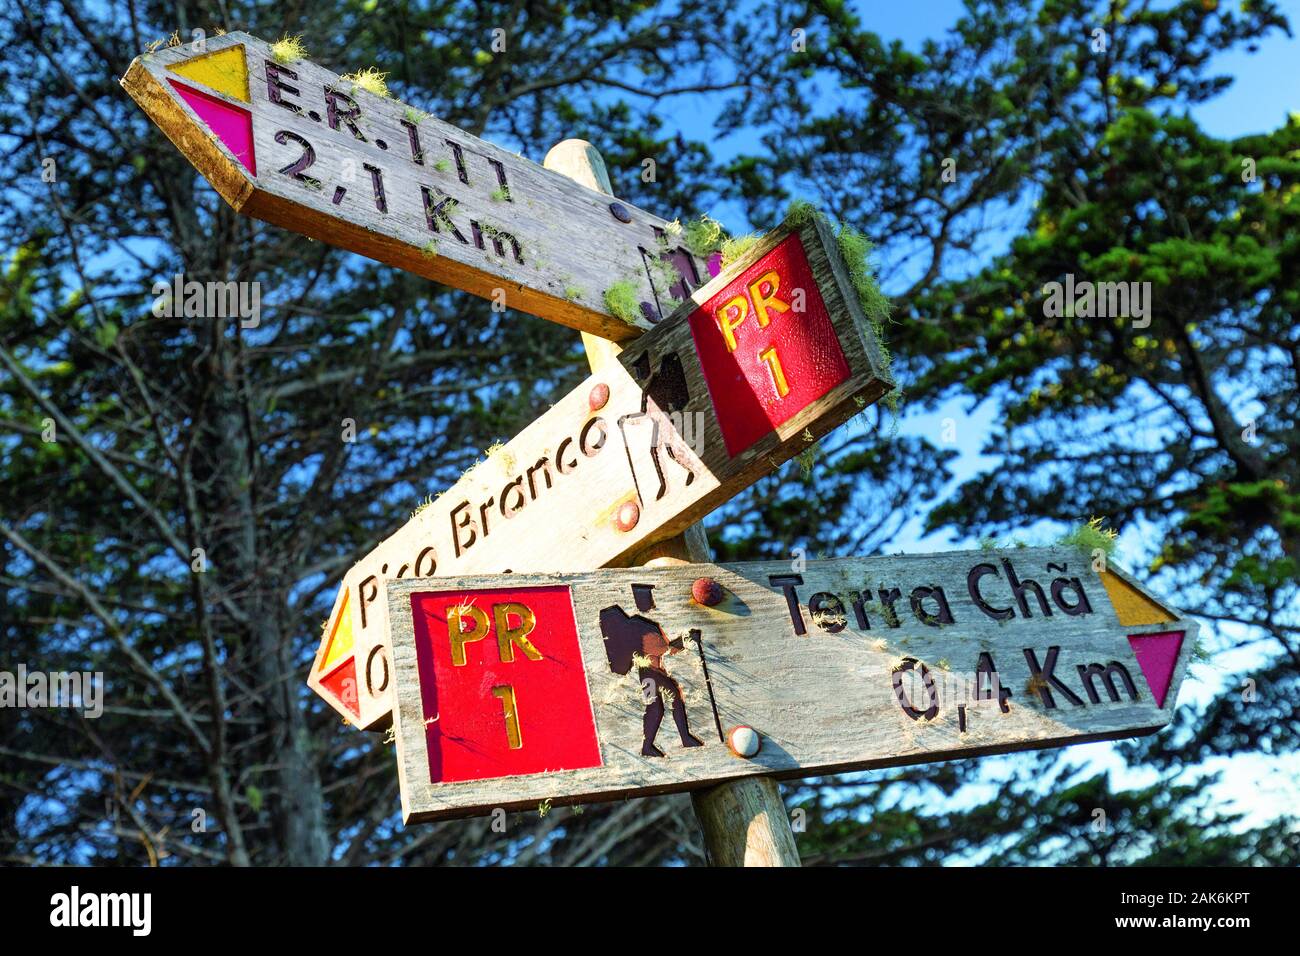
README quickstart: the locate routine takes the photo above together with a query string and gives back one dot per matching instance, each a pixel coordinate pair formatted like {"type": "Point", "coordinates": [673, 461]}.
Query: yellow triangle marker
{"type": "Point", "coordinates": [1132, 607]}
{"type": "Point", "coordinates": [224, 71]}
{"type": "Point", "coordinates": [340, 644]}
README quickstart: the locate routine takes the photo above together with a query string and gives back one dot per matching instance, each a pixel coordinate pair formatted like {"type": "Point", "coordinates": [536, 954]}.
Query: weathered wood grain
{"type": "Point", "coordinates": [572, 476]}
{"type": "Point", "coordinates": [514, 232]}
{"type": "Point", "coordinates": [821, 694]}
{"type": "Point", "coordinates": [744, 824]}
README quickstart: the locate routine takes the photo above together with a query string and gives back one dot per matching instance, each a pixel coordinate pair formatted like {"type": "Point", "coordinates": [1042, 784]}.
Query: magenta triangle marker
{"type": "Point", "coordinates": [1157, 655]}
{"type": "Point", "coordinates": [233, 126]}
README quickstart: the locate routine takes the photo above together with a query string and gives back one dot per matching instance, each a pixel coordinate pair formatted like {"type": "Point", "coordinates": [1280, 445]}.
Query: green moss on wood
{"type": "Point", "coordinates": [703, 236]}
{"type": "Point", "coordinates": [370, 79]}
{"type": "Point", "coordinates": [288, 50]}
{"type": "Point", "coordinates": [1090, 536]}
{"type": "Point", "coordinates": [733, 249]}
{"type": "Point", "coordinates": [622, 301]}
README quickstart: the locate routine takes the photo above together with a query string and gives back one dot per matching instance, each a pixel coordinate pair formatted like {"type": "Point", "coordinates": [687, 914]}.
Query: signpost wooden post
{"type": "Point", "coordinates": [515, 690]}
{"type": "Point", "coordinates": [744, 822]}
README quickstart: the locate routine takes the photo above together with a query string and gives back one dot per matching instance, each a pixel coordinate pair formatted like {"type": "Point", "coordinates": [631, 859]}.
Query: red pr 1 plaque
{"type": "Point", "coordinates": [502, 683]}
{"type": "Point", "coordinates": [767, 346]}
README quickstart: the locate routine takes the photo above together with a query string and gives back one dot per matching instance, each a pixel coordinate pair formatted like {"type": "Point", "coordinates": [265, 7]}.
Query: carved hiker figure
{"type": "Point", "coordinates": [664, 393]}
{"type": "Point", "coordinates": [636, 639]}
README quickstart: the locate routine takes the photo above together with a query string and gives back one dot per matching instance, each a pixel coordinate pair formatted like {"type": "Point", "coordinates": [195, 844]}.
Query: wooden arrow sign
{"type": "Point", "coordinates": [298, 146]}
{"type": "Point", "coordinates": [768, 356]}
{"type": "Point", "coordinates": [517, 690]}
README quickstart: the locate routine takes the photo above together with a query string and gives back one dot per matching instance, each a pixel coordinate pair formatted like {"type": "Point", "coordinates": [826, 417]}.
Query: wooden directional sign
{"type": "Point", "coordinates": [769, 355]}
{"type": "Point", "coordinates": [298, 146]}
{"type": "Point", "coordinates": [520, 689]}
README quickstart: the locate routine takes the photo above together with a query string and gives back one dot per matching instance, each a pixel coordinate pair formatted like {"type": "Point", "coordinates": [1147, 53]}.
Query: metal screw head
{"type": "Point", "coordinates": [706, 591]}
{"type": "Point", "coordinates": [620, 212]}
{"type": "Point", "coordinates": [598, 397]}
{"type": "Point", "coordinates": [629, 513]}
{"type": "Point", "coordinates": [744, 741]}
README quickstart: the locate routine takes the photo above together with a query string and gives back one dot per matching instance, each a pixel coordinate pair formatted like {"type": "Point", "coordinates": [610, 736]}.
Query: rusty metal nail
{"type": "Point", "coordinates": [620, 212]}
{"type": "Point", "coordinates": [706, 591]}
{"type": "Point", "coordinates": [627, 517]}
{"type": "Point", "coordinates": [743, 741]}
{"type": "Point", "coordinates": [598, 397]}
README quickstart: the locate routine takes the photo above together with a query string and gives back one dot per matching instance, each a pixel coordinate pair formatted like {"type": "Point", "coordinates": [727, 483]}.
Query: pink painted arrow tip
{"type": "Point", "coordinates": [232, 125]}
{"type": "Point", "coordinates": [1157, 655]}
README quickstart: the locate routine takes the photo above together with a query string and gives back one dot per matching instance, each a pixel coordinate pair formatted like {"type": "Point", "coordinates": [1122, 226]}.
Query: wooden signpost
{"type": "Point", "coordinates": [768, 356]}
{"type": "Point", "coordinates": [510, 684]}
{"type": "Point", "coordinates": [516, 690]}
{"type": "Point", "coordinates": [301, 147]}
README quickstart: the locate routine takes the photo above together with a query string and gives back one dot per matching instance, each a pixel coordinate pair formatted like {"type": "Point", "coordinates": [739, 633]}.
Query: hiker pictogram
{"type": "Point", "coordinates": [634, 639]}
